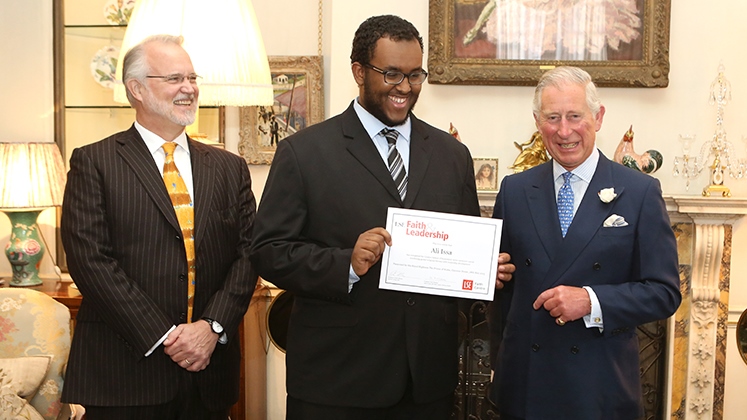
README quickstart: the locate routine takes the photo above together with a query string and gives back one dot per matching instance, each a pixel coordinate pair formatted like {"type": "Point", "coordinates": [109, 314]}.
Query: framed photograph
{"type": "Point", "coordinates": [486, 173]}
{"type": "Point", "coordinates": [299, 103]}
{"type": "Point", "coordinates": [621, 43]}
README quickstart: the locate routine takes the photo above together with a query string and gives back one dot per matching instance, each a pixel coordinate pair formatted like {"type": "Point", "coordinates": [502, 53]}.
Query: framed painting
{"type": "Point", "coordinates": [486, 173]}
{"type": "Point", "coordinates": [621, 43]}
{"type": "Point", "coordinates": [299, 103]}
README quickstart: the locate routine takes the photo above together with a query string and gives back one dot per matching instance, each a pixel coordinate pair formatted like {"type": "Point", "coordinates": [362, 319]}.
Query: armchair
{"type": "Point", "coordinates": [34, 347]}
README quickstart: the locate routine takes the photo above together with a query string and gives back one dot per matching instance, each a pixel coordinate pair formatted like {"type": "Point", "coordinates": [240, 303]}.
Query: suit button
{"type": "Point", "coordinates": [178, 238]}
{"type": "Point", "coordinates": [410, 302]}
{"type": "Point", "coordinates": [182, 277]}
{"type": "Point", "coordinates": [535, 347]}
{"type": "Point", "coordinates": [183, 316]}
{"type": "Point", "coordinates": [597, 266]}
{"type": "Point", "coordinates": [528, 262]}
{"type": "Point", "coordinates": [574, 350]}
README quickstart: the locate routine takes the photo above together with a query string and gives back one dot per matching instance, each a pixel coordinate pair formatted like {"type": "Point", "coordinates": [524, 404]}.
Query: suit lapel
{"type": "Point", "coordinates": [134, 152]}
{"type": "Point", "coordinates": [203, 177]}
{"type": "Point", "coordinates": [588, 219]}
{"type": "Point", "coordinates": [540, 195]}
{"type": "Point", "coordinates": [420, 155]}
{"type": "Point", "coordinates": [363, 149]}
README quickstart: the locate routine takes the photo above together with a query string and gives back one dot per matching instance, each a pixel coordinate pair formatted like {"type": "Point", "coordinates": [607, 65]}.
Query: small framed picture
{"type": "Point", "coordinates": [486, 173]}
{"type": "Point", "coordinates": [299, 102]}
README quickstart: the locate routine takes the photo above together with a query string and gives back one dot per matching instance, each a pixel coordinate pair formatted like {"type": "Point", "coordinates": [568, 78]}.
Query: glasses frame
{"type": "Point", "coordinates": [389, 73]}
{"type": "Point", "coordinates": [178, 78]}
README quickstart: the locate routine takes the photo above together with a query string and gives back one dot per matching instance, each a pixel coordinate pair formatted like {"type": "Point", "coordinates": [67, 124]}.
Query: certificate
{"type": "Point", "coordinates": [441, 254]}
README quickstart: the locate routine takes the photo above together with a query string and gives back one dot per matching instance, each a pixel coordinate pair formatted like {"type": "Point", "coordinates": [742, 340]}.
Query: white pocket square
{"type": "Point", "coordinates": [615, 221]}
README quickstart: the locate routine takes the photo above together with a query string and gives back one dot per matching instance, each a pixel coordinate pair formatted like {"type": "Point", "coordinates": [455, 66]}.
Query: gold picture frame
{"type": "Point", "coordinates": [458, 27]}
{"type": "Point", "coordinates": [299, 102]}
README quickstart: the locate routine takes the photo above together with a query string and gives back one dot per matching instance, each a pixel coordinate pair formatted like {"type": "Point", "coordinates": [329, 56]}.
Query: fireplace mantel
{"type": "Point", "coordinates": [703, 226]}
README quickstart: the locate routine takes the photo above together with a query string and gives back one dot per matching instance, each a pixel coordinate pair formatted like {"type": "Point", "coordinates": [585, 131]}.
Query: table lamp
{"type": "Point", "coordinates": [32, 178]}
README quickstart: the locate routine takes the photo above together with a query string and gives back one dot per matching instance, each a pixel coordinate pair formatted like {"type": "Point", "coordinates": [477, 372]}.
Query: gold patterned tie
{"type": "Point", "coordinates": [184, 213]}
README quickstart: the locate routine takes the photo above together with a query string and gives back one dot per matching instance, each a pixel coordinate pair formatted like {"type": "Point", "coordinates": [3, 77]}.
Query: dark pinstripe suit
{"type": "Point", "coordinates": [126, 255]}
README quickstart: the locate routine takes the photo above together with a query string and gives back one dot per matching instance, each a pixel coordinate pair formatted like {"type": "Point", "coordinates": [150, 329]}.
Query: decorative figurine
{"type": "Point", "coordinates": [649, 162]}
{"type": "Point", "coordinates": [454, 132]}
{"type": "Point", "coordinates": [532, 153]}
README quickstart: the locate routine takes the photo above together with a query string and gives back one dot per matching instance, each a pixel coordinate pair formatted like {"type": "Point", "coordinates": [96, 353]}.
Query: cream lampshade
{"type": "Point", "coordinates": [32, 178]}
{"type": "Point", "coordinates": [223, 39]}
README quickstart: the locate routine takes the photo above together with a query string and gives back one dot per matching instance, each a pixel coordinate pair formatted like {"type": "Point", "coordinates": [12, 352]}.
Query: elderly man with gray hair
{"type": "Point", "coordinates": [595, 258]}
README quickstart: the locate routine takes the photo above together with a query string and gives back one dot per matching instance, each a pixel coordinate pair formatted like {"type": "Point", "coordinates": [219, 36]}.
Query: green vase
{"type": "Point", "coordinates": [25, 249]}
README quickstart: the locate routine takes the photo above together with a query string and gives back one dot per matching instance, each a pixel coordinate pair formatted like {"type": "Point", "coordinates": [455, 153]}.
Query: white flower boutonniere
{"type": "Point", "coordinates": [607, 195]}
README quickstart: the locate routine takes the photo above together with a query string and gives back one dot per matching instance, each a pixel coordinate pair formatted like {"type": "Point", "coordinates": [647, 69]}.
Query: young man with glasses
{"type": "Point", "coordinates": [355, 351]}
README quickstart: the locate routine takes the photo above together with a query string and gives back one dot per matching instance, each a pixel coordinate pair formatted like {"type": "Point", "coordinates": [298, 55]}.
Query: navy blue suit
{"type": "Point", "coordinates": [545, 371]}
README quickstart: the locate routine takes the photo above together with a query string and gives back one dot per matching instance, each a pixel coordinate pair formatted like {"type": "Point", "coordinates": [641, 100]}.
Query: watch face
{"type": "Point", "coordinates": [217, 328]}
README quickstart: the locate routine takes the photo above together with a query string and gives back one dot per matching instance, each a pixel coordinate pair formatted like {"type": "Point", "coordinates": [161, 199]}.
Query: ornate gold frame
{"type": "Point", "coordinates": [445, 68]}
{"type": "Point", "coordinates": [311, 67]}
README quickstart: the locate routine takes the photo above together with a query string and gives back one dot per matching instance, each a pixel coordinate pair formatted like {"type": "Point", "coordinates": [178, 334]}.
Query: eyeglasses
{"type": "Point", "coordinates": [392, 77]}
{"type": "Point", "coordinates": [176, 79]}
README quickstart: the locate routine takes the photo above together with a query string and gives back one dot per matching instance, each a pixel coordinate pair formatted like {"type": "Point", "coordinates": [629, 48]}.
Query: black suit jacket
{"type": "Point", "coordinates": [327, 185]}
{"type": "Point", "coordinates": [126, 254]}
{"type": "Point", "coordinates": [542, 370]}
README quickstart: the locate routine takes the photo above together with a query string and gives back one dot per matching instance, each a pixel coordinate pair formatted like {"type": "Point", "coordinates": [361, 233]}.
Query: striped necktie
{"type": "Point", "coordinates": [396, 165]}
{"type": "Point", "coordinates": [565, 203]}
{"type": "Point", "coordinates": [185, 215]}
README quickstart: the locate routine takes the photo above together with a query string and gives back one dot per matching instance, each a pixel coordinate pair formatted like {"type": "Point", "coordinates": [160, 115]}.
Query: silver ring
{"type": "Point", "coordinates": [187, 361]}
{"type": "Point", "coordinates": [559, 321]}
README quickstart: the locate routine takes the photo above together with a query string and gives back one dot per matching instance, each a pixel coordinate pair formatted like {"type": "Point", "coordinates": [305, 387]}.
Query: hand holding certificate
{"type": "Point", "coordinates": [441, 254]}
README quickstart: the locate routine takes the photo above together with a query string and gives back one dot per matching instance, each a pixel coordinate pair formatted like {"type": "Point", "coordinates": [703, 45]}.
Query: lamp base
{"type": "Point", "coordinates": [25, 249]}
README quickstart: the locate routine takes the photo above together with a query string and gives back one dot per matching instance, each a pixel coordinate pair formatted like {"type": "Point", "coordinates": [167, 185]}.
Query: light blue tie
{"type": "Point", "coordinates": [565, 203]}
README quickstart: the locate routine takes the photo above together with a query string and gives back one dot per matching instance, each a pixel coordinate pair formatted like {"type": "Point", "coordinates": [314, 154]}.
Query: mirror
{"type": "Point", "coordinates": [742, 335]}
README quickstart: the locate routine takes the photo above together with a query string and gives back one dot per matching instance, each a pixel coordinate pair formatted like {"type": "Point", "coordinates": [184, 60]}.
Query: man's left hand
{"type": "Point", "coordinates": [191, 345]}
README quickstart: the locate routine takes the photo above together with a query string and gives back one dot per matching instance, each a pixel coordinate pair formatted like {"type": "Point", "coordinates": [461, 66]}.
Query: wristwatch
{"type": "Point", "coordinates": [218, 329]}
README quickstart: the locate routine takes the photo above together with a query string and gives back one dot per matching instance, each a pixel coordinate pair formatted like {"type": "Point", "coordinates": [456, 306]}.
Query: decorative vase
{"type": "Point", "coordinates": [25, 249]}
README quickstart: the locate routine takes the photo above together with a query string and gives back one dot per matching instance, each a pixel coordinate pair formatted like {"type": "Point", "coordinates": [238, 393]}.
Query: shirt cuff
{"type": "Point", "coordinates": [352, 278]}
{"type": "Point", "coordinates": [158, 343]}
{"type": "Point", "coordinates": [594, 319]}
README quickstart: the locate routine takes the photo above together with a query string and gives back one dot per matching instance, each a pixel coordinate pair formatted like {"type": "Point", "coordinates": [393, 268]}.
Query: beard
{"type": "Point", "coordinates": [168, 110]}
{"type": "Point", "coordinates": [373, 100]}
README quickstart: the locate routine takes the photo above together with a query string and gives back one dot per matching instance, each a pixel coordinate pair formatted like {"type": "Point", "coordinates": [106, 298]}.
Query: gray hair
{"type": "Point", "coordinates": [135, 65]}
{"type": "Point", "coordinates": [565, 75]}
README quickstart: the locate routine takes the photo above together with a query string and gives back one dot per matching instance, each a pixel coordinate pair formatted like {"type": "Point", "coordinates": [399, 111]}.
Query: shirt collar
{"type": "Point", "coordinates": [373, 126]}
{"type": "Point", "coordinates": [154, 142]}
{"type": "Point", "coordinates": [584, 171]}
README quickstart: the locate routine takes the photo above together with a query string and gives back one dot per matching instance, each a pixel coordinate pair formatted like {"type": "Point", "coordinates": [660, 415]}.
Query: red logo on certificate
{"type": "Point", "coordinates": [467, 284]}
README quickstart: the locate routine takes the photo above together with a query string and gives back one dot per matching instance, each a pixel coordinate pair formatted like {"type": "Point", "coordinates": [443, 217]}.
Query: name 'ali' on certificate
{"type": "Point", "coordinates": [441, 254]}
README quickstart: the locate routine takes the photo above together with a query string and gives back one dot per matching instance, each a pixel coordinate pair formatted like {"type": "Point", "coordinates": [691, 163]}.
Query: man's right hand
{"type": "Point", "coordinates": [368, 249]}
